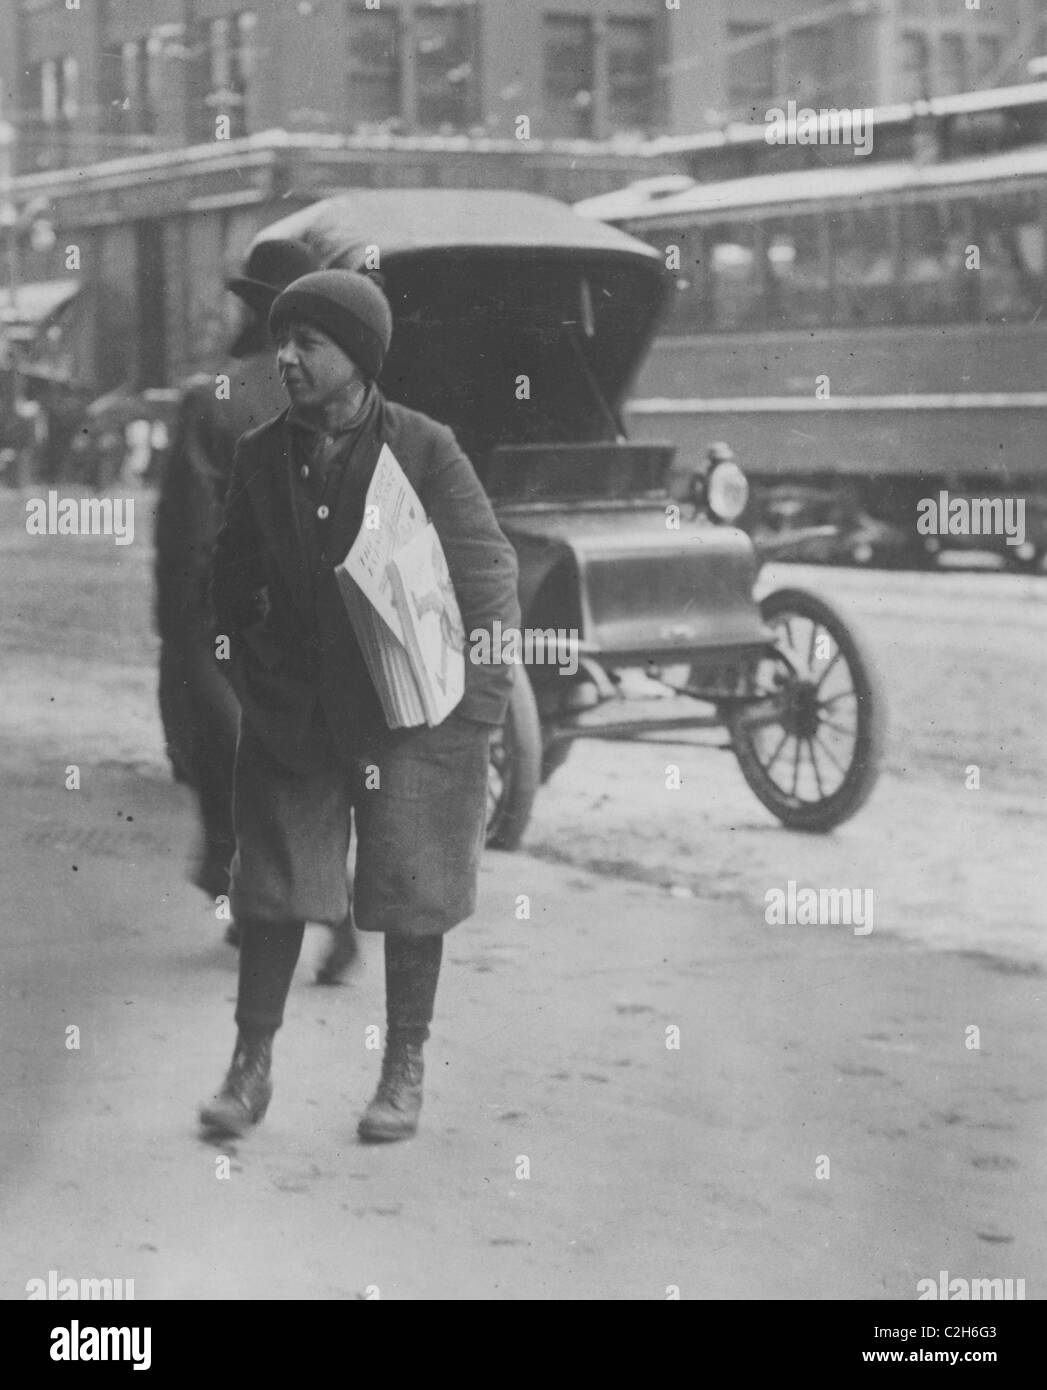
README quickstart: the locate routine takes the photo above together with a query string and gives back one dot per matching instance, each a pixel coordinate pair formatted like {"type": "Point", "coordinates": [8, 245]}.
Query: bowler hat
{"type": "Point", "coordinates": [270, 266]}
{"type": "Point", "coordinates": [347, 306]}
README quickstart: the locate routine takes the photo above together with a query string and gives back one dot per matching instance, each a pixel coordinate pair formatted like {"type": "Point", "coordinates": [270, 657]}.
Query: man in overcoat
{"type": "Point", "coordinates": [314, 751]}
{"type": "Point", "coordinates": [198, 708]}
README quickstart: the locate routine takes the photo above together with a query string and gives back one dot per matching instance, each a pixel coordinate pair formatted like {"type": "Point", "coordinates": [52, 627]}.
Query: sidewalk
{"type": "Point", "coordinates": [649, 1167]}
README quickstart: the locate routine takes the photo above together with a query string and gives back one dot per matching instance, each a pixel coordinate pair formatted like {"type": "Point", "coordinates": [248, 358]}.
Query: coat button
{"type": "Point", "coordinates": [323, 512]}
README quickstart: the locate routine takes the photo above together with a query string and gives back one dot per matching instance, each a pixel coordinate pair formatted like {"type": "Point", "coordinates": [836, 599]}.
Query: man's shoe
{"type": "Point", "coordinates": [393, 1114]}
{"type": "Point", "coordinates": [246, 1091]}
{"type": "Point", "coordinates": [342, 954]}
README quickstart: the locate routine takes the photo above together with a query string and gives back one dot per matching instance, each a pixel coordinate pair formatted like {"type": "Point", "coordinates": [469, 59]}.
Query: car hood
{"type": "Point", "coordinates": [635, 588]}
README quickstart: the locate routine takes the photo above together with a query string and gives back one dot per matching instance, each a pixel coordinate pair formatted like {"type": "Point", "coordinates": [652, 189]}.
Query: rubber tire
{"type": "Point", "coordinates": [521, 737]}
{"type": "Point", "coordinates": [823, 816]}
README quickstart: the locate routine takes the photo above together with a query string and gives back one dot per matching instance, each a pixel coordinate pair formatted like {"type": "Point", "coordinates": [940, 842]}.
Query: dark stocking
{"type": "Point", "coordinates": [412, 969]}
{"type": "Point", "coordinates": [268, 955]}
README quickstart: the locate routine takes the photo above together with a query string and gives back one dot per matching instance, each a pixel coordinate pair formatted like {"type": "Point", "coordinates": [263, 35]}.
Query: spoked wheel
{"type": "Point", "coordinates": [811, 748]}
{"type": "Point", "coordinates": [514, 770]}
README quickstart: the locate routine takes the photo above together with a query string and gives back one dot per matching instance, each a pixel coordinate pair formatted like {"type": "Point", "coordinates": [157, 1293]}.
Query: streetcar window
{"type": "Point", "coordinates": [952, 63]}
{"type": "Point", "coordinates": [1029, 125]}
{"type": "Point", "coordinates": [683, 313]}
{"type": "Point", "coordinates": [735, 278]}
{"type": "Point", "coordinates": [932, 263]}
{"type": "Point", "coordinates": [797, 274]}
{"type": "Point", "coordinates": [893, 141]}
{"type": "Point", "coordinates": [988, 52]}
{"type": "Point", "coordinates": [863, 266]}
{"type": "Point", "coordinates": [915, 76]}
{"type": "Point", "coordinates": [1010, 240]}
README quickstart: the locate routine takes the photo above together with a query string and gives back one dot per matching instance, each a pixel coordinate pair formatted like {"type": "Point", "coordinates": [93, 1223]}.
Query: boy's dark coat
{"type": "Point", "coordinates": [295, 647]}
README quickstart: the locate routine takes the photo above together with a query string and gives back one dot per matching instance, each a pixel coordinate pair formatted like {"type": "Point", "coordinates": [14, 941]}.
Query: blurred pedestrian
{"type": "Point", "coordinates": [199, 709]}
{"type": "Point", "coordinates": [314, 748]}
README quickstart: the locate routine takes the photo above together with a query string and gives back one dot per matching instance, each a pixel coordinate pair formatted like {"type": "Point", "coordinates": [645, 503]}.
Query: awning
{"type": "Point", "coordinates": [36, 300]}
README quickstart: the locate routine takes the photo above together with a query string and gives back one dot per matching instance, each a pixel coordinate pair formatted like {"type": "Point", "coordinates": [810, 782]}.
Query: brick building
{"type": "Point", "coordinates": [82, 80]}
{"type": "Point", "coordinates": [117, 76]}
{"type": "Point", "coordinates": [110, 109]}
{"type": "Point", "coordinates": [847, 53]}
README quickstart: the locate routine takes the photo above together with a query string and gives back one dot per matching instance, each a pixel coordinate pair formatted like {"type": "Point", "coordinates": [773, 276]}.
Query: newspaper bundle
{"type": "Point", "coordinates": [400, 599]}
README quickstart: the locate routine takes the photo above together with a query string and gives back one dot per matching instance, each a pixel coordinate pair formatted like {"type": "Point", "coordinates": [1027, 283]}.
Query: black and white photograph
{"type": "Point", "coordinates": [523, 533]}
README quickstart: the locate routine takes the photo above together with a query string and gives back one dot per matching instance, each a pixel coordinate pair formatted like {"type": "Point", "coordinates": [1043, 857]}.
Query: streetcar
{"type": "Point", "coordinates": [871, 332]}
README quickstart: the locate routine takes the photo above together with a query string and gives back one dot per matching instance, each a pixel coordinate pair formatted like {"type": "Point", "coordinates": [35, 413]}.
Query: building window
{"type": "Point", "coordinates": [139, 80]}
{"type": "Point", "coordinates": [809, 63]}
{"type": "Point", "coordinates": [631, 74]}
{"type": "Point", "coordinates": [569, 76]}
{"type": "Point", "coordinates": [70, 90]}
{"type": "Point", "coordinates": [374, 65]}
{"type": "Point", "coordinates": [445, 66]}
{"type": "Point", "coordinates": [230, 59]}
{"type": "Point", "coordinates": [750, 66]}
{"type": "Point", "coordinates": [53, 102]}
{"type": "Point", "coordinates": [49, 104]}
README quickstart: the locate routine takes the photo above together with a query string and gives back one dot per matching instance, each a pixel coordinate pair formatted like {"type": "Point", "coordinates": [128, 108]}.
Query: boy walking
{"type": "Point", "coordinates": [314, 752]}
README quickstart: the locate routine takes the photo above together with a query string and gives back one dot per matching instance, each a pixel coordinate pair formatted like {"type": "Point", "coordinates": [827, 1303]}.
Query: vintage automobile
{"type": "Point", "coordinates": [521, 324]}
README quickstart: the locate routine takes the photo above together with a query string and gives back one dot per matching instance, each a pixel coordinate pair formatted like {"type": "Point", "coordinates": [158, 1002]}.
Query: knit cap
{"type": "Point", "coordinates": [347, 306]}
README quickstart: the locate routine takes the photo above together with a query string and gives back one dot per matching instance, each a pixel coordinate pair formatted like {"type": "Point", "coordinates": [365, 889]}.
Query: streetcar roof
{"type": "Point", "coordinates": [402, 222]}
{"type": "Point", "coordinates": [898, 113]}
{"type": "Point", "coordinates": [838, 184]}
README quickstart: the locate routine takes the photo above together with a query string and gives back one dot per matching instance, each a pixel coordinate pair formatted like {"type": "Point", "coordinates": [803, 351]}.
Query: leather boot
{"type": "Point", "coordinates": [393, 1114]}
{"type": "Point", "coordinates": [246, 1091]}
